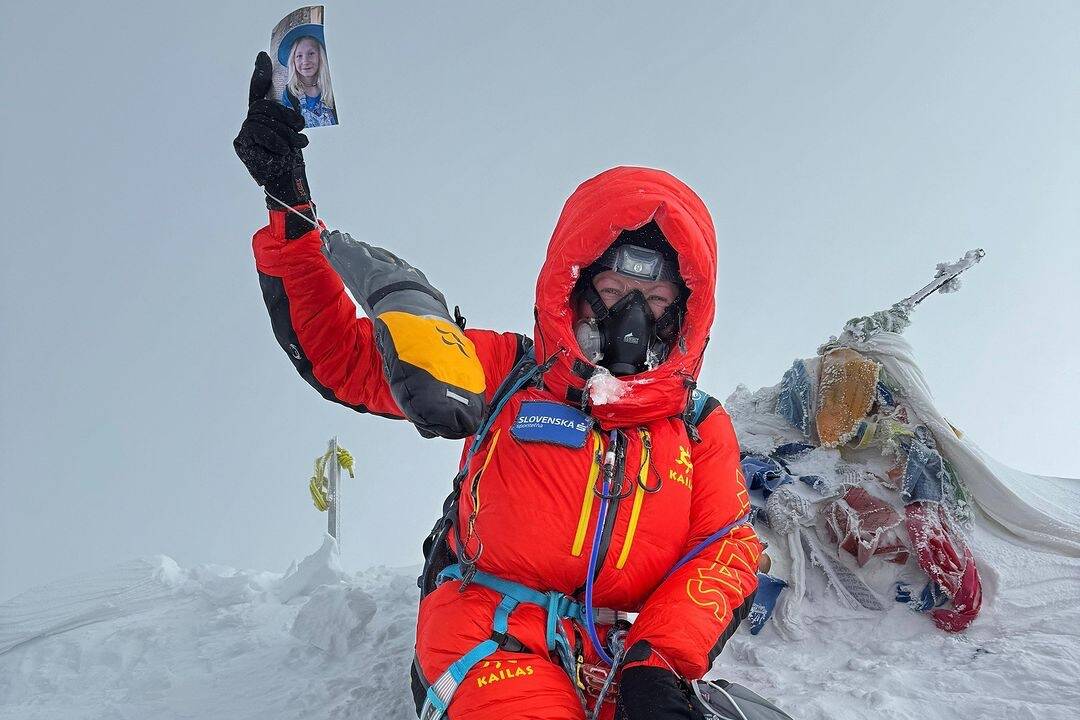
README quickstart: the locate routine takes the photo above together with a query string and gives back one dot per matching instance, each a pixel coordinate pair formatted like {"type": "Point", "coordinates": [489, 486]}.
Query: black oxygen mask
{"type": "Point", "coordinates": [622, 339]}
{"type": "Point", "coordinates": [628, 331]}
{"type": "Point", "coordinates": [627, 338]}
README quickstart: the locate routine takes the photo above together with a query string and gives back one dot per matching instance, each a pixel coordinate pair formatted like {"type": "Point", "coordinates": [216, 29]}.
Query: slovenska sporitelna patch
{"type": "Point", "coordinates": [550, 422]}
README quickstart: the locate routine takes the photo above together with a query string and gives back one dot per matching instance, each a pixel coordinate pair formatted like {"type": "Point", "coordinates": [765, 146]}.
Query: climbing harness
{"type": "Point", "coordinates": [559, 606]}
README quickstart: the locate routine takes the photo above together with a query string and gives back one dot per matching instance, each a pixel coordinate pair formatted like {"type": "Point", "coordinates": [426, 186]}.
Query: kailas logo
{"type": "Point", "coordinates": [685, 476]}
{"type": "Point", "coordinates": [684, 459]}
{"type": "Point", "coordinates": [493, 671]}
{"type": "Point", "coordinates": [450, 338]}
{"type": "Point", "coordinates": [630, 339]}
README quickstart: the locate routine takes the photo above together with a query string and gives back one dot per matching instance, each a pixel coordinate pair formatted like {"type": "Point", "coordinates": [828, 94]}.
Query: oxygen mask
{"type": "Point", "coordinates": [622, 340]}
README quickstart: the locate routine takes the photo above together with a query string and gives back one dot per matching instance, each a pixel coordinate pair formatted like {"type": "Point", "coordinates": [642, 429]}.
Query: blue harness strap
{"type": "Point", "coordinates": [559, 606]}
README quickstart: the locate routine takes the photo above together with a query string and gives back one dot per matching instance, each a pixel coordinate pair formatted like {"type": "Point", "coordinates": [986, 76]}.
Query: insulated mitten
{"type": "Point", "coordinates": [650, 693]}
{"type": "Point", "coordinates": [431, 366]}
{"type": "Point", "coordinates": [647, 692]}
{"type": "Point", "coordinates": [270, 142]}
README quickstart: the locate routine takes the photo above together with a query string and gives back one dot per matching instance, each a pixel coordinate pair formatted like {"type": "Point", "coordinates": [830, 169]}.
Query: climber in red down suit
{"type": "Point", "coordinates": [608, 423]}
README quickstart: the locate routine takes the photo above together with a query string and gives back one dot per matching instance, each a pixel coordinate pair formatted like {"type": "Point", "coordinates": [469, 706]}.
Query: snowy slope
{"type": "Point", "coordinates": [1019, 660]}
{"type": "Point", "coordinates": [152, 640]}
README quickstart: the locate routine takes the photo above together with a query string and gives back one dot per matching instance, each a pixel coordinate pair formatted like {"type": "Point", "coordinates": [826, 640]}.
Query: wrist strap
{"type": "Point", "coordinates": [299, 220]}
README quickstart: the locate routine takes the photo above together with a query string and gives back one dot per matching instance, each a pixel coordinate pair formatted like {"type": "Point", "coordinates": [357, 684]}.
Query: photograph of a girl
{"type": "Point", "coordinates": [308, 90]}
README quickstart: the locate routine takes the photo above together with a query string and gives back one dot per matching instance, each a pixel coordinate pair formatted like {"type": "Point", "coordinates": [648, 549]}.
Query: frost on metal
{"type": "Point", "coordinates": [897, 318]}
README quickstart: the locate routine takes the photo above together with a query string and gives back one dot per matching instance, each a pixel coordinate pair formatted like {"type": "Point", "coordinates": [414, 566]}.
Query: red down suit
{"type": "Point", "coordinates": [532, 504]}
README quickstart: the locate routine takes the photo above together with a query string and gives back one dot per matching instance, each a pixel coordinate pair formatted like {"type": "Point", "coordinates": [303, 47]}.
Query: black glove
{"type": "Point", "coordinates": [652, 693]}
{"type": "Point", "coordinates": [270, 142]}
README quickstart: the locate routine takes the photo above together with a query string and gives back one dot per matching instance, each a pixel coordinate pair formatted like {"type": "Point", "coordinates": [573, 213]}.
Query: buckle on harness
{"type": "Point", "coordinates": [508, 642]}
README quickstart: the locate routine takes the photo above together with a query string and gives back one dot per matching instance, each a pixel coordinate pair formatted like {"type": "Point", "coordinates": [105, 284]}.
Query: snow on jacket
{"type": "Point", "coordinates": [532, 504]}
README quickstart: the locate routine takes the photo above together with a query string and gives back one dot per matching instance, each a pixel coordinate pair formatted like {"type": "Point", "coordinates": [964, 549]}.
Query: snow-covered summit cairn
{"type": "Point", "coordinates": [847, 467]}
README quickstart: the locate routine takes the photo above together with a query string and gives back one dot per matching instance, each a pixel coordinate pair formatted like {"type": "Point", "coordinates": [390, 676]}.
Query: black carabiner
{"type": "Point", "coordinates": [646, 457]}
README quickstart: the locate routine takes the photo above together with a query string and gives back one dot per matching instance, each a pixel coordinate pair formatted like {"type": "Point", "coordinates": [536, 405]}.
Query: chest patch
{"type": "Point", "coordinates": [549, 422]}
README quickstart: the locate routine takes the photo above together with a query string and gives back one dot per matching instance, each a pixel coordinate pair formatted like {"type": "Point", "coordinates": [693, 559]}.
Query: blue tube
{"type": "Point", "coordinates": [707, 542]}
{"type": "Point", "coordinates": [590, 619]}
{"type": "Point", "coordinates": [594, 556]}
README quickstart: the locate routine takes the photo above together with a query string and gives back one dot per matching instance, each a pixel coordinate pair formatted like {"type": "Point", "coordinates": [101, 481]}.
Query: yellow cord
{"type": "Point", "coordinates": [319, 486]}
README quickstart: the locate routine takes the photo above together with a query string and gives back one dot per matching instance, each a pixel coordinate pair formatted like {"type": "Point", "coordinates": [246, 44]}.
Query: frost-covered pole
{"type": "Point", "coordinates": [333, 525]}
{"type": "Point", "coordinates": [897, 318]}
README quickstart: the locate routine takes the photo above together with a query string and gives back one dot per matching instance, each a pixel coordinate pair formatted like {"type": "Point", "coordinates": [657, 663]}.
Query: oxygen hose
{"type": "Point", "coordinates": [607, 492]}
{"type": "Point", "coordinates": [608, 489]}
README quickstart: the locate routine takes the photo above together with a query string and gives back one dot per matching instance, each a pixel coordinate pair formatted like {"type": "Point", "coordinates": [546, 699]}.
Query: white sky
{"type": "Point", "coordinates": [844, 149]}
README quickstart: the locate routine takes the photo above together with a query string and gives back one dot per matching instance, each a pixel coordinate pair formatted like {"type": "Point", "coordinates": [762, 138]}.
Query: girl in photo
{"type": "Point", "coordinates": [308, 89]}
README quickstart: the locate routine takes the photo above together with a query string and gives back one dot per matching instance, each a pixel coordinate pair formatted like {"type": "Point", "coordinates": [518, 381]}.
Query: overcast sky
{"type": "Point", "coordinates": [844, 149]}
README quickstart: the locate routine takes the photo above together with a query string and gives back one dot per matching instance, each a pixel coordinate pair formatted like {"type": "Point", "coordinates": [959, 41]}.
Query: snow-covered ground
{"type": "Point", "coordinates": [150, 639]}
{"type": "Point", "coordinates": [153, 640]}
{"type": "Point", "coordinates": [1019, 660]}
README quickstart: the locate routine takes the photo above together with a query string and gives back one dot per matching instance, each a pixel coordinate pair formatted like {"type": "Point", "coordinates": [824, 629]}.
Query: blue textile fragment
{"type": "Point", "coordinates": [758, 514]}
{"type": "Point", "coordinates": [884, 395]}
{"type": "Point", "coordinates": [794, 404]}
{"type": "Point", "coordinates": [932, 596]}
{"type": "Point", "coordinates": [817, 482]}
{"type": "Point", "coordinates": [768, 590]}
{"type": "Point", "coordinates": [924, 474]}
{"type": "Point", "coordinates": [764, 474]}
{"type": "Point", "coordinates": [792, 449]}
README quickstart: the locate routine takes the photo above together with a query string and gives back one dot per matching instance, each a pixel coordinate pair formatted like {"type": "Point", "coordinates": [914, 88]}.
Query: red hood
{"type": "Point", "coordinates": [625, 198]}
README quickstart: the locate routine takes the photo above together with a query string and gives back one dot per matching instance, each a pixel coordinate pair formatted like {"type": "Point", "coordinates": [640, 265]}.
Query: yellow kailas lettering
{"type": "Point", "coordinates": [681, 479]}
{"type": "Point", "coordinates": [504, 674]}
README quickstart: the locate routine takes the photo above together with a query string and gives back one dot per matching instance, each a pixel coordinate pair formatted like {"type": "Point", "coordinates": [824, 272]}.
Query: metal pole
{"type": "Point", "coordinates": [333, 523]}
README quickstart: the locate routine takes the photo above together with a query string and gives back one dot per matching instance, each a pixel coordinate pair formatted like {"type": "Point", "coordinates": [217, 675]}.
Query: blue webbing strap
{"type": "Point", "coordinates": [698, 400]}
{"type": "Point", "coordinates": [493, 413]}
{"type": "Point", "coordinates": [558, 605]}
{"type": "Point", "coordinates": [442, 690]}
